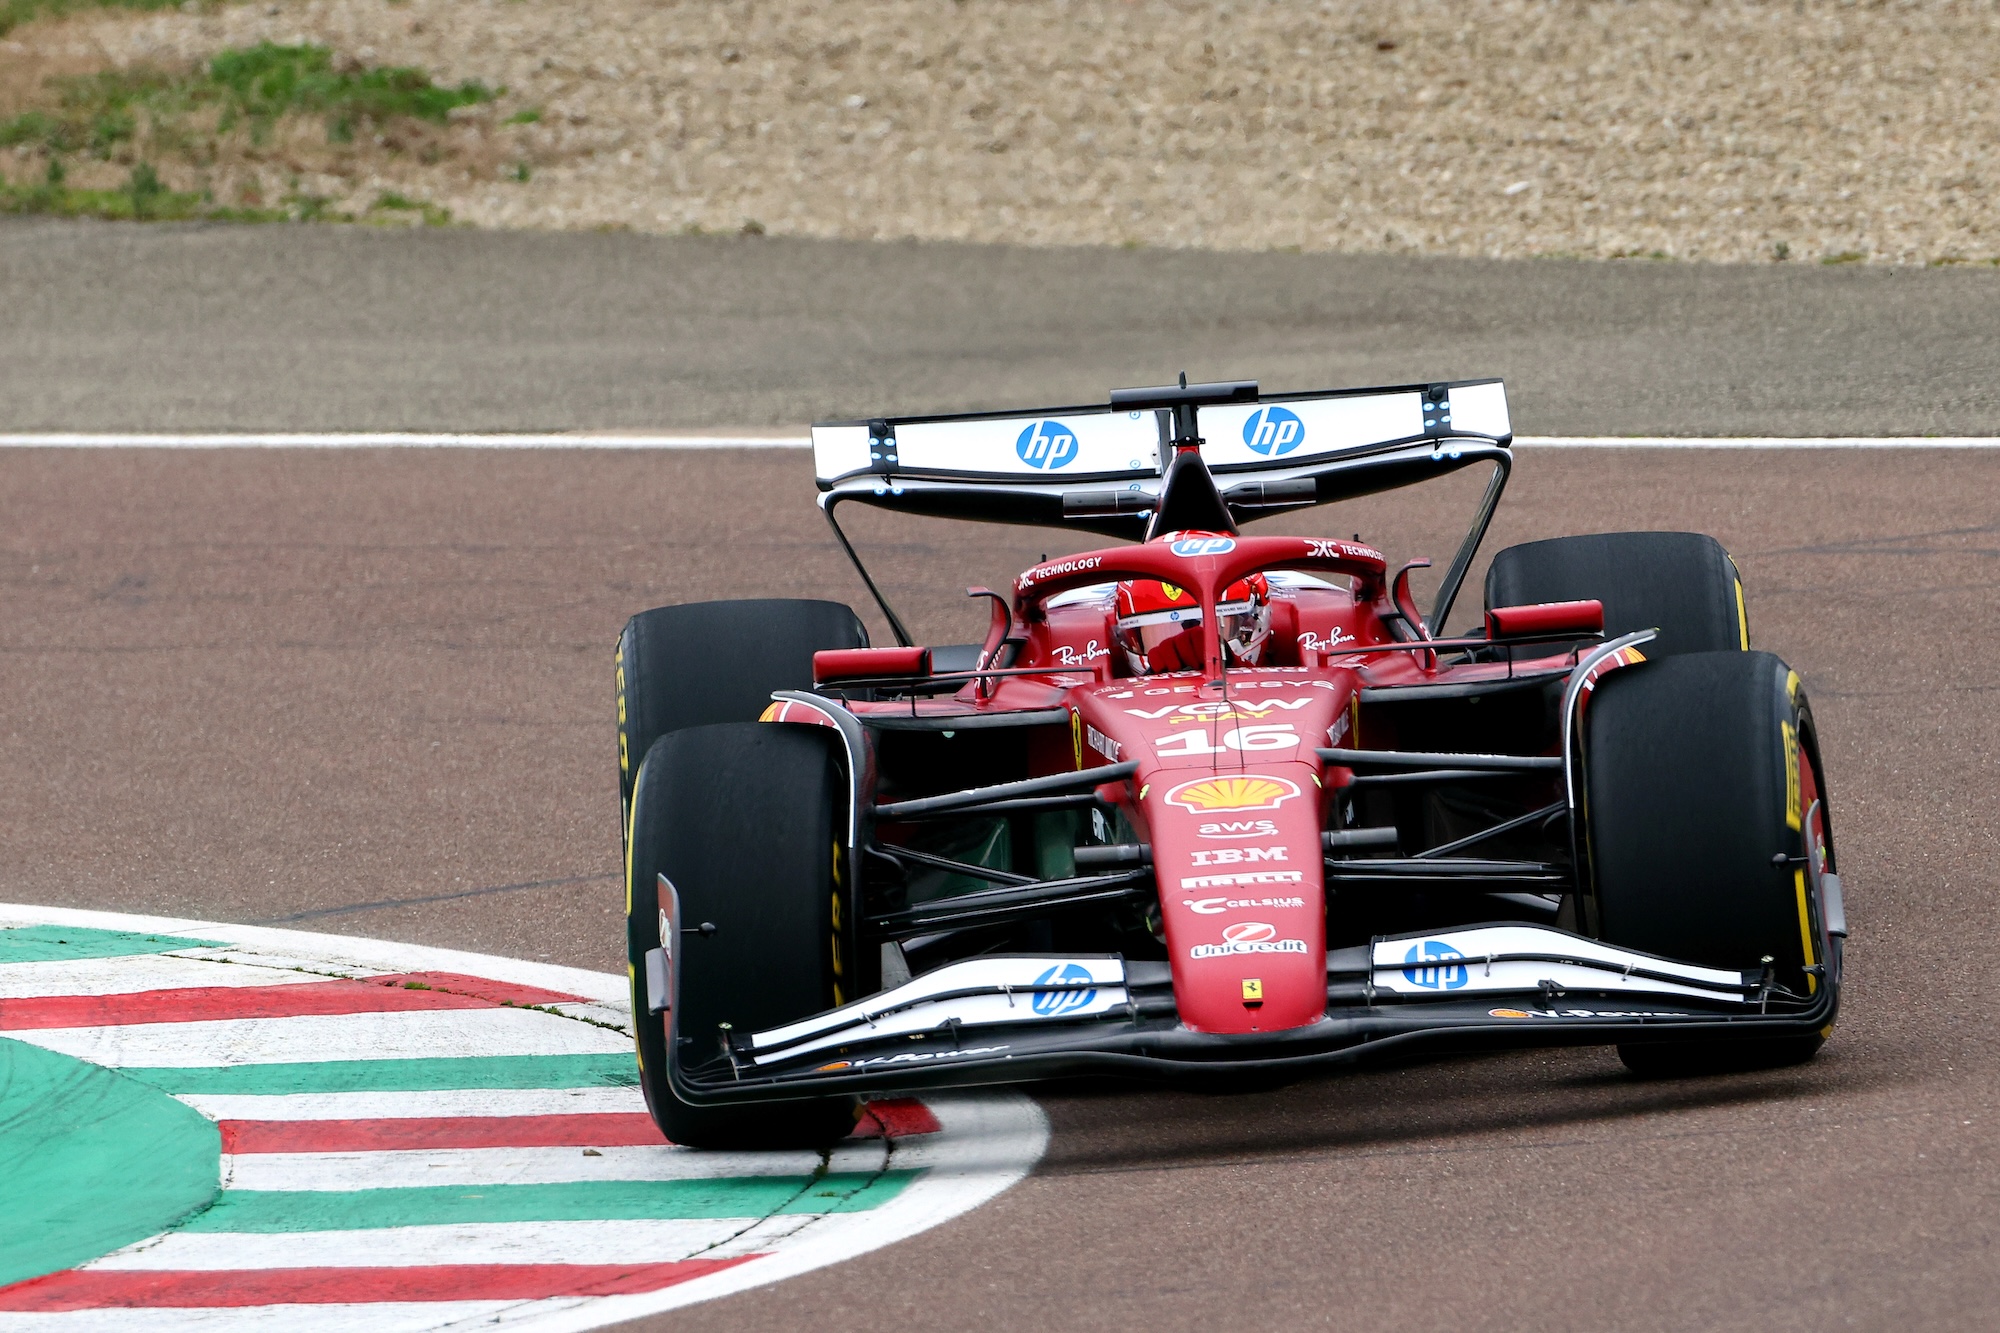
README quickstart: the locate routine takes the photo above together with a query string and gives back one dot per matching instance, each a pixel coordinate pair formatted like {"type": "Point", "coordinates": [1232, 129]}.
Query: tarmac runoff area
{"type": "Point", "coordinates": [368, 690]}
{"type": "Point", "coordinates": [220, 1127]}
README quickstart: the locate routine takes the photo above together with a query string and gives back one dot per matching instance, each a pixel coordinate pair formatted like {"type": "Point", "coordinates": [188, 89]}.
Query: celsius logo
{"type": "Point", "coordinates": [1429, 966]}
{"type": "Point", "coordinates": [1273, 431]}
{"type": "Point", "coordinates": [1050, 1003]}
{"type": "Point", "coordinates": [1046, 444]}
{"type": "Point", "coordinates": [1193, 546]}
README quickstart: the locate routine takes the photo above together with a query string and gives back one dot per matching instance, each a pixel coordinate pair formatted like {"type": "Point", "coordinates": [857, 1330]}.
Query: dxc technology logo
{"type": "Point", "coordinates": [1049, 1003]}
{"type": "Point", "coordinates": [1430, 966]}
{"type": "Point", "coordinates": [1274, 431]}
{"type": "Point", "coordinates": [1046, 444]}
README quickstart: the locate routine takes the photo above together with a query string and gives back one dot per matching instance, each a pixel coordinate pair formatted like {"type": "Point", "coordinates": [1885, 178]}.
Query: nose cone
{"type": "Point", "coordinates": [1237, 855]}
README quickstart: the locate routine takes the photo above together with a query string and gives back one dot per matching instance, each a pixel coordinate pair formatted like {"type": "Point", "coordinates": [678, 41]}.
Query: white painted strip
{"type": "Point", "coordinates": [1758, 442]}
{"type": "Point", "coordinates": [337, 952]}
{"type": "Point", "coordinates": [137, 972]}
{"type": "Point", "coordinates": [402, 440]}
{"type": "Point", "coordinates": [383, 1317]}
{"type": "Point", "coordinates": [748, 440]}
{"type": "Point", "coordinates": [411, 1105]}
{"type": "Point", "coordinates": [414, 1035]}
{"type": "Point", "coordinates": [988, 1140]}
{"type": "Point", "coordinates": [526, 1166]}
{"type": "Point", "coordinates": [634, 1242]}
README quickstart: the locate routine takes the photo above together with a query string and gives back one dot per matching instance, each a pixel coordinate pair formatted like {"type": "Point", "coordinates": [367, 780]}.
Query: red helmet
{"type": "Point", "coordinates": [1159, 624]}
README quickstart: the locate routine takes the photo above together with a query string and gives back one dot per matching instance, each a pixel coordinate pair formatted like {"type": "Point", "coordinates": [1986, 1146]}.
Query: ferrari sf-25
{"type": "Point", "coordinates": [1206, 805]}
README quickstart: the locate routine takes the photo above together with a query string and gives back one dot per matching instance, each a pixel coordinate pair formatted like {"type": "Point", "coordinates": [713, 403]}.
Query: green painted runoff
{"type": "Point", "coordinates": [50, 944]}
{"type": "Point", "coordinates": [91, 1160]}
{"type": "Point", "coordinates": [268, 1211]}
{"type": "Point", "coordinates": [451, 1074]}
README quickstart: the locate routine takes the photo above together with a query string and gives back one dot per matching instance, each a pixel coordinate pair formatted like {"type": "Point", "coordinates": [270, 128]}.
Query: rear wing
{"type": "Point", "coordinates": [1157, 458]}
{"type": "Point", "coordinates": [1101, 467]}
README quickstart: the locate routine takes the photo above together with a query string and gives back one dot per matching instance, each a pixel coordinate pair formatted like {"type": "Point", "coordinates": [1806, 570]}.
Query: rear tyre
{"type": "Point", "coordinates": [1703, 783]}
{"type": "Point", "coordinates": [745, 820]}
{"type": "Point", "coordinates": [1683, 583]}
{"type": "Point", "coordinates": [688, 666]}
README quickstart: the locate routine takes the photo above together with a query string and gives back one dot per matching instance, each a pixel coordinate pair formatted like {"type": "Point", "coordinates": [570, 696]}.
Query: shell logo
{"type": "Point", "coordinates": [1206, 795]}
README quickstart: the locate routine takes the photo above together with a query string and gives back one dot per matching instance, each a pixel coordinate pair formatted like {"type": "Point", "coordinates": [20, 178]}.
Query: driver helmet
{"type": "Point", "coordinates": [1159, 624]}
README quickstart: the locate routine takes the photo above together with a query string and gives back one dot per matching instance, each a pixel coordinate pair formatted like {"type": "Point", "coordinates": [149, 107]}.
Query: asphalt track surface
{"type": "Point", "coordinates": [369, 692]}
{"type": "Point", "coordinates": [113, 327]}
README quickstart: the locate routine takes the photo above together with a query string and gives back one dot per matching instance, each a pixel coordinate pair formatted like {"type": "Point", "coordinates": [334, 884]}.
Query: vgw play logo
{"type": "Point", "coordinates": [1274, 431]}
{"type": "Point", "coordinates": [1430, 965]}
{"type": "Point", "coordinates": [1050, 1003]}
{"type": "Point", "coordinates": [1046, 444]}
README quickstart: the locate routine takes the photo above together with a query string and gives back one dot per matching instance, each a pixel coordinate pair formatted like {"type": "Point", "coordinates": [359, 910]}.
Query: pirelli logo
{"type": "Point", "coordinates": [1793, 814]}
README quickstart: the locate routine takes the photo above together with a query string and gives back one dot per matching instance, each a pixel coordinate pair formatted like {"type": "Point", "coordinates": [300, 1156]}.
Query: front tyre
{"type": "Point", "coordinates": [1708, 835]}
{"type": "Point", "coordinates": [745, 821]}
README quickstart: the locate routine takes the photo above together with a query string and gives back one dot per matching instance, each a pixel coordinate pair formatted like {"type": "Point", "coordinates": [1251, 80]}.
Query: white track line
{"type": "Point", "coordinates": [263, 944]}
{"type": "Point", "coordinates": [134, 973]}
{"type": "Point", "coordinates": [642, 1241]}
{"type": "Point", "coordinates": [410, 1035]}
{"type": "Point", "coordinates": [284, 1171]}
{"type": "Point", "coordinates": [373, 1317]}
{"type": "Point", "coordinates": [454, 1104]}
{"type": "Point", "coordinates": [407, 440]}
{"type": "Point", "coordinates": [1758, 442]}
{"type": "Point", "coordinates": [401, 440]}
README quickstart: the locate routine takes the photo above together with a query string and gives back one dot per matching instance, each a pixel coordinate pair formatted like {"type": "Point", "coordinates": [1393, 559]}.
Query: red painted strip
{"type": "Point", "coordinates": [606, 1130]}
{"type": "Point", "coordinates": [375, 995]}
{"type": "Point", "coordinates": [96, 1289]}
{"type": "Point", "coordinates": [896, 1118]}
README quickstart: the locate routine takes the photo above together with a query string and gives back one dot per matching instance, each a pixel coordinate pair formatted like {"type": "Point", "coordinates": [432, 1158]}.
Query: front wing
{"type": "Point", "coordinates": [1008, 1019]}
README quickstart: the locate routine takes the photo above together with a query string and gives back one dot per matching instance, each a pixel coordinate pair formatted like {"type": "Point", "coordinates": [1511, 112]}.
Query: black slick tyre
{"type": "Point", "coordinates": [1682, 583]}
{"type": "Point", "coordinates": [745, 820]}
{"type": "Point", "coordinates": [688, 666]}
{"type": "Point", "coordinates": [1705, 808]}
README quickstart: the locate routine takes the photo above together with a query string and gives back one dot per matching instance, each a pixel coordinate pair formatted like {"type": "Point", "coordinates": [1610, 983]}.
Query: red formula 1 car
{"type": "Point", "coordinates": [1210, 805]}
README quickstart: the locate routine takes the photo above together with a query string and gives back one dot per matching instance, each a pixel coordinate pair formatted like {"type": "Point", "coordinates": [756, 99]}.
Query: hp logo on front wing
{"type": "Point", "coordinates": [1050, 1003]}
{"type": "Point", "coordinates": [1429, 965]}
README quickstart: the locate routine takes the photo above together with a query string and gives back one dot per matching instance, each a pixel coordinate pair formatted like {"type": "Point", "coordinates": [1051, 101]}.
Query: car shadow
{"type": "Point", "coordinates": [1460, 1104]}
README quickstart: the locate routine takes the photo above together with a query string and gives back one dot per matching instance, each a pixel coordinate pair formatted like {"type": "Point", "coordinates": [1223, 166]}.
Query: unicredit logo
{"type": "Point", "coordinates": [1241, 937]}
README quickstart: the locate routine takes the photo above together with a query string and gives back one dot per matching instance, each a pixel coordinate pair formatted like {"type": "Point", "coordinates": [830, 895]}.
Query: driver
{"type": "Point", "coordinates": [1159, 624]}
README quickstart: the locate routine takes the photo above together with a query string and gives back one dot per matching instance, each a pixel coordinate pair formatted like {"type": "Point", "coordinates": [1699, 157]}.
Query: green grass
{"type": "Point", "coordinates": [391, 202]}
{"type": "Point", "coordinates": [13, 13]}
{"type": "Point", "coordinates": [252, 88]}
{"type": "Point", "coordinates": [141, 117]}
{"type": "Point", "coordinates": [265, 82]}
